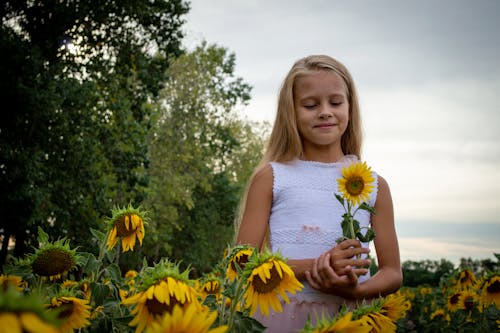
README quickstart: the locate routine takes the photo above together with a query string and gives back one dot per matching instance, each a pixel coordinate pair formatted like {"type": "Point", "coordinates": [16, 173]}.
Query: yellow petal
{"type": "Point", "coordinates": [9, 323]}
{"type": "Point", "coordinates": [32, 323]}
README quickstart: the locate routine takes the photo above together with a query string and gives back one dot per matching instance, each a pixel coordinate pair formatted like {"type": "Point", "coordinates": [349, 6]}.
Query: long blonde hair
{"type": "Point", "coordinates": [285, 143]}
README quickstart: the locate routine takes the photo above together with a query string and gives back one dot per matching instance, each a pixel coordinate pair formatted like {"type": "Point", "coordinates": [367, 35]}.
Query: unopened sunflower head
{"type": "Point", "coordinates": [52, 259]}
{"type": "Point", "coordinates": [236, 259]}
{"type": "Point", "coordinates": [126, 224]}
{"type": "Point", "coordinates": [268, 278]}
{"type": "Point", "coordinates": [73, 312]}
{"type": "Point", "coordinates": [25, 313]}
{"type": "Point", "coordinates": [159, 289]}
{"type": "Point", "coordinates": [356, 182]}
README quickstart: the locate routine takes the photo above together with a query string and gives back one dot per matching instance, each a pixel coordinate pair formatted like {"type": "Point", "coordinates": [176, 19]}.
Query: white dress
{"type": "Point", "coordinates": [305, 221]}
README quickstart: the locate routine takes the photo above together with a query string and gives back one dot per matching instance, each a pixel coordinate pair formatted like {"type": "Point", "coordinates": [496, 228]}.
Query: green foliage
{"type": "Point", "coordinates": [201, 153]}
{"type": "Point", "coordinates": [78, 76]}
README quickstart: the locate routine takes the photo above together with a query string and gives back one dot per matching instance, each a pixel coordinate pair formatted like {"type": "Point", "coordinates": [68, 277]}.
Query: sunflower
{"type": "Point", "coordinates": [126, 224]}
{"type": "Point", "coordinates": [395, 306]}
{"type": "Point", "coordinates": [453, 301]}
{"type": "Point", "coordinates": [12, 281]}
{"type": "Point", "coordinates": [24, 313]}
{"type": "Point", "coordinates": [162, 287]}
{"type": "Point", "coordinates": [68, 284]}
{"type": "Point", "coordinates": [467, 300]}
{"type": "Point", "coordinates": [338, 324]}
{"type": "Point", "coordinates": [356, 182]}
{"type": "Point", "coordinates": [490, 292]}
{"type": "Point", "coordinates": [466, 279]}
{"type": "Point", "coordinates": [440, 313]}
{"type": "Point", "coordinates": [72, 311]}
{"type": "Point", "coordinates": [267, 277]}
{"type": "Point", "coordinates": [210, 285]}
{"type": "Point", "coordinates": [378, 322]}
{"type": "Point", "coordinates": [52, 259]}
{"type": "Point", "coordinates": [191, 319]}
{"type": "Point", "coordinates": [238, 257]}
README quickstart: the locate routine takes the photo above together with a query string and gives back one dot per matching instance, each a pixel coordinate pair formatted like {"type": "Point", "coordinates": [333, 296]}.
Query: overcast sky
{"type": "Point", "coordinates": [428, 77]}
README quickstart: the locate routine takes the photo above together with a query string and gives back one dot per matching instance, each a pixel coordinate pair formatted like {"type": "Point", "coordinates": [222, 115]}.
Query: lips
{"type": "Point", "coordinates": [326, 125]}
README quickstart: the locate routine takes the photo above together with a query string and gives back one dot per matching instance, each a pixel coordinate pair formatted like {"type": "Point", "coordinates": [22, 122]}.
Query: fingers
{"type": "Point", "coordinates": [351, 276]}
{"type": "Point", "coordinates": [348, 243]}
{"type": "Point", "coordinates": [315, 272]}
{"type": "Point", "coordinates": [311, 281]}
{"type": "Point", "coordinates": [360, 271]}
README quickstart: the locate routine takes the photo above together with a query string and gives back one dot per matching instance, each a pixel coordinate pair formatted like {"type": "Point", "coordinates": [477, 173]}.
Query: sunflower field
{"type": "Point", "coordinates": [58, 288]}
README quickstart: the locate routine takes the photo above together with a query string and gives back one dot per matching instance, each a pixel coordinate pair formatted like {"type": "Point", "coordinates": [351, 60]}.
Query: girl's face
{"type": "Point", "coordinates": [321, 109]}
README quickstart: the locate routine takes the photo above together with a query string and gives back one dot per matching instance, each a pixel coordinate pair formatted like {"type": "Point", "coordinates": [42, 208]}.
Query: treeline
{"type": "Point", "coordinates": [104, 107]}
{"type": "Point", "coordinates": [431, 272]}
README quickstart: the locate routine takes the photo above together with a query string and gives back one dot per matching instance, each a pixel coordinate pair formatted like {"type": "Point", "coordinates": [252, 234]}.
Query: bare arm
{"type": "Point", "coordinates": [389, 277]}
{"type": "Point", "coordinates": [254, 223]}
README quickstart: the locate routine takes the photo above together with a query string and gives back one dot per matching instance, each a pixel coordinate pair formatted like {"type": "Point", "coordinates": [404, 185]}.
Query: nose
{"type": "Point", "coordinates": [325, 112]}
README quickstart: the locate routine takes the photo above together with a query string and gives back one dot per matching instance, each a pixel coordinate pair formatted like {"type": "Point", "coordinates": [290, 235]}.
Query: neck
{"type": "Point", "coordinates": [322, 155]}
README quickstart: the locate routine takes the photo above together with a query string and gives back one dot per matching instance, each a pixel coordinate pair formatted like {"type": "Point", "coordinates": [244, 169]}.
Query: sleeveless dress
{"type": "Point", "coordinates": [305, 221]}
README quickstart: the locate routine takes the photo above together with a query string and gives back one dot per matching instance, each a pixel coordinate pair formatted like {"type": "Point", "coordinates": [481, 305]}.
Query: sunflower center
{"type": "Point", "coordinates": [454, 299]}
{"type": "Point", "coordinates": [468, 303]}
{"type": "Point", "coordinates": [241, 261]}
{"type": "Point", "coordinates": [494, 288]}
{"type": "Point", "coordinates": [158, 308]}
{"type": "Point", "coordinates": [121, 227]}
{"type": "Point", "coordinates": [66, 310]}
{"type": "Point", "coordinates": [52, 262]}
{"type": "Point", "coordinates": [264, 287]}
{"type": "Point", "coordinates": [355, 185]}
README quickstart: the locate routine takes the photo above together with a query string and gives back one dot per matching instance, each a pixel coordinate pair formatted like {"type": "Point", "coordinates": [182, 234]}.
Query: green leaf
{"type": "Point", "coordinates": [345, 227]}
{"type": "Point", "coordinates": [367, 207]}
{"type": "Point", "coordinates": [340, 198]}
{"type": "Point", "coordinates": [91, 264]}
{"type": "Point", "coordinates": [43, 237]}
{"type": "Point", "coordinates": [367, 237]}
{"type": "Point", "coordinates": [99, 292]}
{"type": "Point", "coordinates": [99, 235]}
{"type": "Point", "coordinates": [114, 272]}
{"type": "Point", "coordinates": [243, 323]}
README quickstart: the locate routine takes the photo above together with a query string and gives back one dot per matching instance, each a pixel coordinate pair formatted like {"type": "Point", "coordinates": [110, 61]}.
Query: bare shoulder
{"type": "Point", "coordinates": [382, 184]}
{"type": "Point", "coordinates": [263, 176]}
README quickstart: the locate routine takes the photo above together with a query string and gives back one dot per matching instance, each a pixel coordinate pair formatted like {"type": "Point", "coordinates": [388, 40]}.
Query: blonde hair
{"type": "Point", "coordinates": [284, 143]}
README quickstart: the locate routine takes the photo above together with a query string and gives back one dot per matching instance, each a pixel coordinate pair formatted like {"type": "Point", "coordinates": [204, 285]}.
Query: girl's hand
{"type": "Point", "coordinates": [343, 258]}
{"type": "Point", "coordinates": [325, 279]}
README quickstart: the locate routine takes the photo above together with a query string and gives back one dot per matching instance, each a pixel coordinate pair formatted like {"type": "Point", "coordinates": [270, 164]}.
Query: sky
{"type": "Point", "coordinates": [428, 77]}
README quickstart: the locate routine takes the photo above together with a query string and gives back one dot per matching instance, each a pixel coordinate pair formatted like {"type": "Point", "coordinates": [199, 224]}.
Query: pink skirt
{"type": "Point", "coordinates": [295, 314]}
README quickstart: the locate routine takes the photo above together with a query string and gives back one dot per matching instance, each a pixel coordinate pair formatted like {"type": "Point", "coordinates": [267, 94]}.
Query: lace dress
{"type": "Point", "coordinates": [305, 221]}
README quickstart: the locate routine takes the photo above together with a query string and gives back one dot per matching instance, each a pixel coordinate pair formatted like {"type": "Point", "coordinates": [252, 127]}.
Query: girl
{"type": "Point", "coordinates": [290, 204]}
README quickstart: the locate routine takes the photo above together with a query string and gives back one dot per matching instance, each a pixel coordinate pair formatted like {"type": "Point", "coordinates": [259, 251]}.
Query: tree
{"type": "Point", "coordinates": [79, 76]}
{"type": "Point", "coordinates": [201, 156]}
